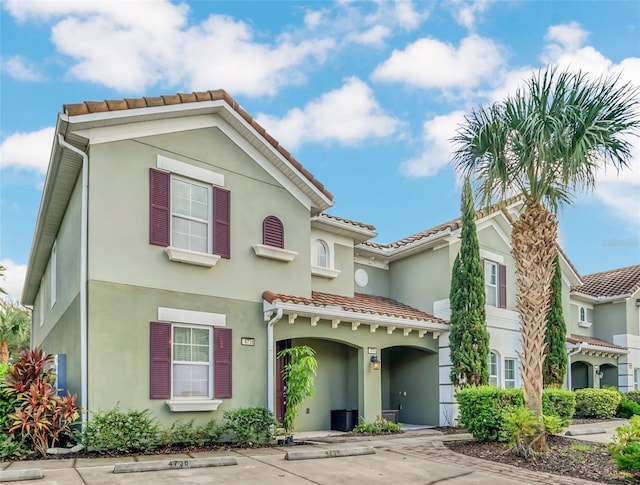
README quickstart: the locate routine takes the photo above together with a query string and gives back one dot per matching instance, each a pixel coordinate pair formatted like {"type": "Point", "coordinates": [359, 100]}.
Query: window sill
{"type": "Point", "coordinates": [584, 324]}
{"type": "Point", "coordinates": [191, 257]}
{"type": "Point", "coordinates": [325, 272]}
{"type": "Point", "coordinates": [272, 252]}
{"type": "Point", "coordinates": [181, 406]}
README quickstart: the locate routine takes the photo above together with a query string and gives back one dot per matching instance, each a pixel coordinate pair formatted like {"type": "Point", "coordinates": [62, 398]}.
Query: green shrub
{"type": "Point", "coordinates": [12, 448]}
{"type": "Point", "coordinates": [597, 403]}
{"type": "Point", "coordinates": [627, 408]}
{"type": "Point", "coordinates": [560, 403]}
{"type": "Point", "coordinates": [520, 426]}
{"type": "Point", "coordinates": [625, 447]}
{"type": "Point", "coordinates": [249, 425]}
{"type": "Point", "coordinates": [379, 426]}
{"type": "Point", "coordinates": [633, 396]}
{"type": "Point", "coordinates": [481, 409]}
{"type": "Point", "coordinates": [188, 434]}
{"type": "Point", "coordinates": [122, 432]}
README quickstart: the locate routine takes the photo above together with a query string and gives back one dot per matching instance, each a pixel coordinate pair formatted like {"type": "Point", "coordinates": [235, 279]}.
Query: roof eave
{"type": "Point", "coordinates": [304, 310]}
{"type": "Point", "coordinates": [358, 234]}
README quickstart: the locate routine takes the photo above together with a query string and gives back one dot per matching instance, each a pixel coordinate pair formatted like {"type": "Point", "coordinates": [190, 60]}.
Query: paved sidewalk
{"type": "Point", "coordinates": [601, 431]}
{"type": "Point", "coordinates": [413, 457]}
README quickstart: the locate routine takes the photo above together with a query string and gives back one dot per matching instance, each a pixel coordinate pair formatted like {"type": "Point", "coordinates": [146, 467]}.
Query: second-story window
{"type": "Point", "coordinates": [495, 283]}
{"type": "Point", "coordinates": [583, 314]}
{"type": "Point", "coordinates": [190, 215]}
{"type": "Point", "coordinates": [322, 254]}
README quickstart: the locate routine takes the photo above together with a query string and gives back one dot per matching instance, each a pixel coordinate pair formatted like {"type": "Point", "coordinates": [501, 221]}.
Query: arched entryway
{"type": "Point", "coordinates": [609, 375]}
{"type": "Point", "coordinates": [336, 383]}
{"type": "Point", "coordinates": [410, 384]}
{"type": "Point", "coordinates": [581, 375]}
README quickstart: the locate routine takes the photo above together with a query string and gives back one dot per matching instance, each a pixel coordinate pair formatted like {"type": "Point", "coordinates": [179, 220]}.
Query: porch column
{"type": "Point", "coordinates": [369, 387]}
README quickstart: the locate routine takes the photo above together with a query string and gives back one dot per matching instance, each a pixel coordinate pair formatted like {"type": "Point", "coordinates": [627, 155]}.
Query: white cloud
{"type": "Point", "coordinates": [407, 16]}
{"type": "Point", "coordinates": [375, 36]}
{"type": "Point", "coordinates": [130, 46]}
{"type": "Point", "coordinates": [21, 69]}
{"type": "Point", "coordinates": [466, 13]}
{"type": "Point", "coordinates": [620, 190]}
{"type": "Point", "coordinates": [430, 63]}
{"type": "Point", "coordinates": [437, 146]}
{"type": "Point", "coordinates": [27, 151]}
{"type": "Point", "coordinates": [348, 115]}
{"type": "Point", "coordinates": [14, 278]}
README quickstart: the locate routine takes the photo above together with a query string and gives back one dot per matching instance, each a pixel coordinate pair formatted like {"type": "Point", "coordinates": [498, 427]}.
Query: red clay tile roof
{"type": "Point", "coordinates": [576, 339]}
{"type": "Point", "coordinates": [369, 227]}
{"type": "Point", "coordinates": [615, 282]}
{"type": "Point", "coordinates": [451, 225]}
{"type": "Point", "coordinates": [360, 303]}
{"type": "Point", "coordinates": [89, 107]}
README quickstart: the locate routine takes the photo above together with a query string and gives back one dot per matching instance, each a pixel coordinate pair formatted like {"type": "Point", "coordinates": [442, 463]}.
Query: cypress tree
{"type": "Point", "coordinates": [555, 361]}
{"type": "Point", "coordinates": [468, 338]}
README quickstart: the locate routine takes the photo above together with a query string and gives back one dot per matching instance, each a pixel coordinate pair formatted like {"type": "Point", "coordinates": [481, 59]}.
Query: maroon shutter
{"type": "Point", "coordinates": [502, 281]}
{"type": "Point", "coordinates": [160, 358]}
{"type": "Point", "coordinates": [222, 362]}
{"type": "Point", "coordinates": [273, 232]}
{"type": "Point", "coordinates": [159, 190]}
{"type": "Point", "coordinates": [221, 222]}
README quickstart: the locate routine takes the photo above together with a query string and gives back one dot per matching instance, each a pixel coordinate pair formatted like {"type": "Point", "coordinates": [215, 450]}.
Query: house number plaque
{"type": "Point", "coordinates": [248, 341]}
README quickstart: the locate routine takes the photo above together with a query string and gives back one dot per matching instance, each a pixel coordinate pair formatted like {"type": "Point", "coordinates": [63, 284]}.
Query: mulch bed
{"type": "Point", "coordinates": [566, 456]}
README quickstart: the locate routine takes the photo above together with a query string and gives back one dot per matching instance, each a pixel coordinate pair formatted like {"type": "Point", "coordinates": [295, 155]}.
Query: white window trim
{"type": "Point", "coordinates": [211, 363]}
{"type": "Point", "coordinates": [272, 252]}
{"type": "Point", "coordinates": [209, 219]}
{"type": "Point", "coordinates": [191, 257]}
{"type": "Point", "coordinates": [325, 272]}
{"type": "Point", "coordinates": [54, 273]}
{"type": "Point", "coordinates": [497, 374]}
{"type": "Point", "coordinates": [195, 319]}
{"type": "Point", "coordinates": [42, 301]}
{"type": "Point", "coordinates": [515, 372]}
{"type": "Point", "coordinates": [496, 265]}
{"type": "Point", "coordinates": [189, 171]}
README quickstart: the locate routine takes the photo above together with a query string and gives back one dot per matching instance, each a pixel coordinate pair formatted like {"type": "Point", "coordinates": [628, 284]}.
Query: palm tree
{"type": "Point", "coordinates": [14, 326]}
{"type": "Point", "coordinates": [545, 143]}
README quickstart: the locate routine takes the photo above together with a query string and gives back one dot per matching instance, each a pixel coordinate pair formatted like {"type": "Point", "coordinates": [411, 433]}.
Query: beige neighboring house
{"type": "Point", "coordinates": [603, 330]}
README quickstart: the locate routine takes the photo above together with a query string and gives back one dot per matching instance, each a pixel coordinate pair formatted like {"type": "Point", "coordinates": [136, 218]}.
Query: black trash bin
{"type": "Point", "coordinates": [344, 419]}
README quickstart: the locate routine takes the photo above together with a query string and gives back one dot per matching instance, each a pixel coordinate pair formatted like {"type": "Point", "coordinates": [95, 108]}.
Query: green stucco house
{"type": "Point", "coordinates": [179, 247]}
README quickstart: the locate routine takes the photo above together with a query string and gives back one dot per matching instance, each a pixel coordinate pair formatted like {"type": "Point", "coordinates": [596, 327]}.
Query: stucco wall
{"type": "Point", "coordinates": [609, 319]}
{"type": "Point", "coordinates": [343, 261]}
{"type": "Point", "coordinates": [378, 280]}
{"type": "Point", "coordinates": [119, 215]}
{"type": "Point", "coordinates": [119, 347]}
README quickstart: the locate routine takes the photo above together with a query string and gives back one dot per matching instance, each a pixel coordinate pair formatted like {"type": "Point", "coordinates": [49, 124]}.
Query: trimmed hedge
{"type": "Point", "coordinates": [597, 403]}
{"type": "Point", "coordinates": [633, 396]}
{"type": "Point", "coordinates": [627, 408]}
{"type": "Point", "coordinates": [482, 409]}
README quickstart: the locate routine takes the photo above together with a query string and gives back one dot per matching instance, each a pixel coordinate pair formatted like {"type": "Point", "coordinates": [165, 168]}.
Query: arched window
{"type": "Point", "coordinates": [322, 254]}
{"type": "Point", "coordinates": [583, 314]}
{"type": "Point", "coordinates": [273, 232]}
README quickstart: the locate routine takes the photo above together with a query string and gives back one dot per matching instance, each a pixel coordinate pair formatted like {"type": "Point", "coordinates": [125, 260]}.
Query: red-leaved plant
{"type": "Point", "coordinates": [41, 416]}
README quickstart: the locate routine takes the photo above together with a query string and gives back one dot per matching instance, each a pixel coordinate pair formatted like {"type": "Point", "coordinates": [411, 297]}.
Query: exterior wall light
{"type": "Point", "coordinates": [375, 362]}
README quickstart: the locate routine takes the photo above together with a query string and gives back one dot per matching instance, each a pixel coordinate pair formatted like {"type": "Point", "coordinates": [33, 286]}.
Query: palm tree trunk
{"type": "Point", "coordinates": [533, 239]}
{"type": "Point", "coordinates": [4, 352]}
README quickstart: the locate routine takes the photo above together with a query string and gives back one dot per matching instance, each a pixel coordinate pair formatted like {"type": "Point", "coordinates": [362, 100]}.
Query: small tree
{"type": "Point", "coordinates": [469, 338]}
{"type": "Point", "coordinates": [299, 374]}
{"type": "Point", "coordinates": [555, 362]}
{"type": "Point", "coordinates": [14, 328]}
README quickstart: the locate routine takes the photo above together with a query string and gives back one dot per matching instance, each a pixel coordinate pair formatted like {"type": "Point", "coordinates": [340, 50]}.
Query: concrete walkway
{"type": "Point", "coordinates": [600, 432]}
{"type": "Point", "coordinates": [417, 456]}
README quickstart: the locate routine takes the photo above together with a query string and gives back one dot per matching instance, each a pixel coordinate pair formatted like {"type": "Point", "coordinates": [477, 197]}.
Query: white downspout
{"type": "Point", "coordinates": [270, 361]}
{"type": "Point", "coordinates": [575, 351]}
{"type": "Point", "coordinates": [84, 224]}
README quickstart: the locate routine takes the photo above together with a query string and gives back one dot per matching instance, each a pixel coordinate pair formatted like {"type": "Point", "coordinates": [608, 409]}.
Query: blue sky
{"type": "Point", "coordinates": [366, 95]}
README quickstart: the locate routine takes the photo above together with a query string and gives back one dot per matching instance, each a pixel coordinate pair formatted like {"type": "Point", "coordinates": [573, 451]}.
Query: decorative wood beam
{"type": "Point", "coordinates": [406, 331]}
{"type": "Point", "coordinates": [355, 325]}
{"type": "Point", "coordinates": [292, 318]}
{"type": "Point", "coordinates": [314, 321]}
{"type": "Point", "coordinates": [436, 335]}
{"type": "Point", "coordinates": [390, 330]}
{"type": "Point", "coordinates": [373, 327]}
{"type": "Point", "coordinates": [421, 333]}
